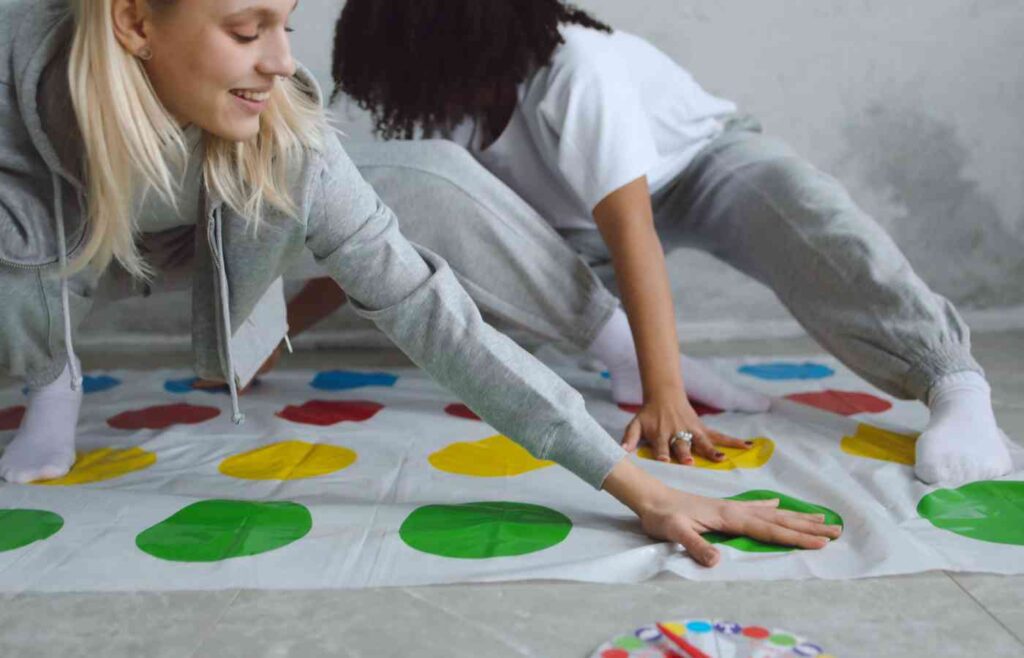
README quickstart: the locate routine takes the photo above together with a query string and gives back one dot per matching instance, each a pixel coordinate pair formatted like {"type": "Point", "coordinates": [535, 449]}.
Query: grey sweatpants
{"type": "Point", "coordinates": [517, 269]}
{"type": "Point", "coordinates": [752, 202]}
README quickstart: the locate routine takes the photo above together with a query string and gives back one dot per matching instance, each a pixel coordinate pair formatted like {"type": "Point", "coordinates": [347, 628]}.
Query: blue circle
{"type": "Point", "coordinates": [187, 385]}
{"type": "Point", "coordinates": [606, 375]}
{"type": "Point", "coordinates": [808, 649]}
{"type": "Point", "coordinates": [341, 380]}
{"type": "Point", "coordinates": [648, 633]}
{"type": "Point", "coordinates": [699, 627]}
{"type": "Point", "coordinates": [782, 370]}
{"type": "Point", "coordinates": [99, 383]}
{"type": "Point", "coordinates": [728, 628]}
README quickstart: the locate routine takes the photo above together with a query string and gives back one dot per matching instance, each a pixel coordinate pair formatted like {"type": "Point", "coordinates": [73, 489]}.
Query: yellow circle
{"type": "Point", "coordinates": [104, 464]}
{"type": "Point", "coordinates": [493, 457]}
{"type": "Point", "coordinates": [288, 460]}
{"type": "Point", "coordinates": [675, 627]}
{"type": "Point", "coordinates": [875, 443]}
{"type": "Point", "coordinates": [754, 457]}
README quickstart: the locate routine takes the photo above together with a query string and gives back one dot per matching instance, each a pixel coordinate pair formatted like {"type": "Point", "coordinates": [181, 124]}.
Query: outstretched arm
{"type": "Point", "coordinates": [626, 222]}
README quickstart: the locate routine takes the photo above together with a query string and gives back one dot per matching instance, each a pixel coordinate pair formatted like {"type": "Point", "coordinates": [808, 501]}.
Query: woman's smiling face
{"type": "Point", "coordinates": [214, 62]}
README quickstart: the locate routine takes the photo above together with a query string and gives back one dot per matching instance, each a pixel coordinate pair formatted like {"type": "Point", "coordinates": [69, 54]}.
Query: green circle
{"type": "Point", "coordinates": [749, 545]}
{"type": "Point", "coordinates": [21, 527]}
{"type": "Point", "coordinates": [986, 511]}
{"type": "Point", "coordinates": [483, 530]}
{"type": "Point", "coordinates": [215, 530]}
{"type": "Point", "coordinates": [629, 642]}
{"type": "Point", "coordinates": [782, 640]}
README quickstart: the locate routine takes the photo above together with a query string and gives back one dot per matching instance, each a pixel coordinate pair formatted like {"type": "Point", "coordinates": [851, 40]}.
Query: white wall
{"type": "Point", "coordinates": [915, 105]}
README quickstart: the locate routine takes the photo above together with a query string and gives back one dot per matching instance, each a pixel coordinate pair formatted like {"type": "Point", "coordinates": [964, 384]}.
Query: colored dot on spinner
{"type": "Point", "coordinates": [648, 633]}
{"type": "Point", "coordinates": [756, 632]}
{"type": "Point", "coordinates": [808, 650]}
{"type": "Point", "coordinates": [629, 642]}
{"type": "Point", "coordinates": [614, 653]}
{"type": "Point", "coordinates": [728, 628]}
{"type": "Point", "coordinates": [699, 627]}
{"type": "Point", "coordinates": [782, 640]}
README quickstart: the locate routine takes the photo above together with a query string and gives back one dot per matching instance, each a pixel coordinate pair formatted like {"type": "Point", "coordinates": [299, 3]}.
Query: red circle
{"type": "Point", "coordinates": [329, 412]}
{"type": "Point", "coordinates": [756, 632]}
{"type": "Point", "coordinates": [701, 408]}
{"type": "Point", "coordinates": [614, 653]}
{"type": "Point", "coordinates": [846, 403]}
{"type": "Point", "coordinates": [161, 416]}
{"type": "Point", "coordinates": [461, 411]}
{"type": "Point", "coordinates": [10, 418]}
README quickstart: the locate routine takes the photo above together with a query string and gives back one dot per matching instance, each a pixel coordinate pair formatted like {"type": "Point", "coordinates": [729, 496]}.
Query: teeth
{"type": "Point", "coordinates": [256, 97]}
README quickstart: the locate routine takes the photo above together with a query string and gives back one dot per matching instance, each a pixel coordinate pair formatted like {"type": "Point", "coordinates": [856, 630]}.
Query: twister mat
{"type": "Point", "coordinates": [344, 479]}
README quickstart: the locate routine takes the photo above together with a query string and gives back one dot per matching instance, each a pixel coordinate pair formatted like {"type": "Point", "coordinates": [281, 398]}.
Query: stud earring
{"type": "Point", "coordinates": [145, 54]}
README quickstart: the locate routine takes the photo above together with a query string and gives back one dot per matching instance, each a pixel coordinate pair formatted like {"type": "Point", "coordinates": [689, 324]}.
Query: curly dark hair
{"type": "Point", "coordinates": [423, 63]}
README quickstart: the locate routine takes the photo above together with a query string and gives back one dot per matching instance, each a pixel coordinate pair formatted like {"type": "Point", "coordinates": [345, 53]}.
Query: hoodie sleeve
{"type": "Point", "coordinates": [412, 295]}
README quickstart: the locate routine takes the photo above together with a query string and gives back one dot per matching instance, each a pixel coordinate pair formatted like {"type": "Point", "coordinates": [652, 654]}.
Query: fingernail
{"type": "Point", "coordinates": [719, 454]}
{"type": "Point", "coordinates": [663, 459]}
{"type": "Point", "coordinates": [689, 460]}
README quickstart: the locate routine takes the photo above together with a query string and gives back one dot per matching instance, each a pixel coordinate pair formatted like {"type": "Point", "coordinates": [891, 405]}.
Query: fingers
{"type": "Point", "coordinates": [774, 533]}
{"type": "Point", "coordinates": [697, 547]}
{"type": "Point", "coordinates": [771, 502]}
{"type": "Point", "coordinates": [808, 524]}
{"type": "Point", "coordinates": [631, 438]}
{"type": "Point", "coordinates": [682, 452]}
{"type": "Point", "coordinates": [720, 439]}
{"type": "Point", "coordinates": [703, 446]}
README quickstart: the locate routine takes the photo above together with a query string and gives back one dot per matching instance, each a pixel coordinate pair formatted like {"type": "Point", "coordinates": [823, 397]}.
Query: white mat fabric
{"type": "Point", "coordinates": [98, 536]}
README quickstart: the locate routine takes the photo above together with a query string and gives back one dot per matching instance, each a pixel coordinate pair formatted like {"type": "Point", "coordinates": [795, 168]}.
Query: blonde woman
{"type": "Point", "coordinates": [122, 117]}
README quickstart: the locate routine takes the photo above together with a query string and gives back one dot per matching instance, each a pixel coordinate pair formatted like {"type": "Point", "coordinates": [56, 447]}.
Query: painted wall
{"type": "Point", "coordinates": [915, 105]}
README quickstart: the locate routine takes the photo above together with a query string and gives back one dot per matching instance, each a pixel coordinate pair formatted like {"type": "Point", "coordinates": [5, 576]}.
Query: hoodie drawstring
{"type": "Point", "coordinates": [225, 314]}
{"type": "Point", "coordinates": [58, 208]}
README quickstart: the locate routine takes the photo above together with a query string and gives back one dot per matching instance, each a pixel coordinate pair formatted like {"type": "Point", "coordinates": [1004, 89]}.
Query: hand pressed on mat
{"type": "Point", "coordinates": [671, 515]}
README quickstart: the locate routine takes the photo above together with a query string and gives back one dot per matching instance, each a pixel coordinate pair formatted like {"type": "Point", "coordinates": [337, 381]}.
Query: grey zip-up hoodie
{"type": "Point", "coordinates": [409, 292]}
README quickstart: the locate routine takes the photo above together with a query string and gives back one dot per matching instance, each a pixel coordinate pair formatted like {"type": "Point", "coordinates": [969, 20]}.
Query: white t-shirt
{"type": "Point", "coordinates": [608, 109]}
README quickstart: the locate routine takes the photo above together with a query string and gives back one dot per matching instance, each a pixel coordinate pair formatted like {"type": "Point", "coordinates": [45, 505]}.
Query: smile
{"type": "Point", "coordinates": [254, 96]}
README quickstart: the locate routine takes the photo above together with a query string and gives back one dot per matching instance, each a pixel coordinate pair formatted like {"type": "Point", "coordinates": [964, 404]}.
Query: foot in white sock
{"type": "Point", "coordinates": [44, 447]}
{"type": "Point", "coordinates": [615, 348]}
{"type": "Point", "coordinates": [962, 442]}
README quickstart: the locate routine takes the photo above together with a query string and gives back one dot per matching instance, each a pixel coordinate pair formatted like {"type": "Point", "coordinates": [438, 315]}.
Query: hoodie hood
{"type": "Point", "coordinates": [34, 97]}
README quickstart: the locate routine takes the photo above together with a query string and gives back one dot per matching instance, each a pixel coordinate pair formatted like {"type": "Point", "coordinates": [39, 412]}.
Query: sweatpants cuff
{"type": "Point", "coordinates": [939, 363]}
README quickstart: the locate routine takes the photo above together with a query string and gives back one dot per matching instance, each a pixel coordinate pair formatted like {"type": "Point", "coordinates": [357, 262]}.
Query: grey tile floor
{"type": "Point", "coordinates": [932, 614]}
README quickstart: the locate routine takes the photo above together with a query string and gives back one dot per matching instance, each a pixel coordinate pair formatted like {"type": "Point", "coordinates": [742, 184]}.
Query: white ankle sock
{"type": "Point", "coordinates": [44, 447]}
{"type": "Point", "coordinates": [962, 442]}
{"type": "Point", "coordinates": [614, 347]}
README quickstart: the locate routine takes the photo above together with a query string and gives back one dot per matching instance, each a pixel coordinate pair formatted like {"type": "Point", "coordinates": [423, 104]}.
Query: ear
{"type": "Point", "coordinates": [130, 19]}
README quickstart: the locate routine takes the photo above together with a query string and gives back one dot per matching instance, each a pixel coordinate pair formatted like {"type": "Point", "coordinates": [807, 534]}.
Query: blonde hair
{"type": "Point", "coordinates": [132, 144]}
